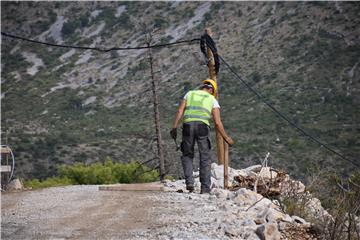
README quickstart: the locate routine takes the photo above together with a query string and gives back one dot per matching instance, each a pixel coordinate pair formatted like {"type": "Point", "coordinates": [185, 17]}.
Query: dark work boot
{"type": "Point", "coordinates": [190, 188]}
{"type": "Point", "coordinates": [205, 191]}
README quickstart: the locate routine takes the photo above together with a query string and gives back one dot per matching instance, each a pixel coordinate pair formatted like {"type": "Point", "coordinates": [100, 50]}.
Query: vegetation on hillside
{"type": "Point", "coordinates": [340, 196]}
{"type": "Point", "coordinates": [303, 57]}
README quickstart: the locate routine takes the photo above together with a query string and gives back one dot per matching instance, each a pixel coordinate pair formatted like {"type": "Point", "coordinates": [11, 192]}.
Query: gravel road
{"type": "Point", "coordinates": [84, 212]}
{"type": "Point", "coordinates": [75, 212]}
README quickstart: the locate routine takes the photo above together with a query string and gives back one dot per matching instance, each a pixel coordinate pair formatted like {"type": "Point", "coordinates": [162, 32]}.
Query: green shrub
{"type": "Point", "coordinates": [160, 22]}
{"type": "Point", "coordinates": [98, 173]}
{"type": "Point", "coordinates": [108, 16]}
{"type": "Point", "coordinates": [70, 27]}
{"type": "Point", "coordinates": [338, 195]}
{"type": "Point", "coordinates": [14, 62]}
{"type": "Point", "coordinates": [49, 182]}
{"type": "Point", "coordinates": [124, 21]}
{"type": "Point", "coordinates": [108, 173]}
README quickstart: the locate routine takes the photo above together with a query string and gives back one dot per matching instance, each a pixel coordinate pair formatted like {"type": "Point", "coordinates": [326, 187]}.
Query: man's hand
{"type": "Point", "coordinates": [229, 141]}
{"type": "Point", "coordinates": [173, 133]}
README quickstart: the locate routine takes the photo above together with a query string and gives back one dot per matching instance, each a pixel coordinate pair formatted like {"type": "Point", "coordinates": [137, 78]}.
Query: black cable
{"type": "Point", "coordinates": [223, 60]}
{"type": "Point", "coordinates": [99, 49]}
{"type": "Point", "coordinates": [284, 117]}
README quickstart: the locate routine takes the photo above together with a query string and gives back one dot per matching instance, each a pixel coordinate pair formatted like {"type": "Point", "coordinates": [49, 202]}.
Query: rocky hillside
{"type": "Point", "coordinates": [64, 105]}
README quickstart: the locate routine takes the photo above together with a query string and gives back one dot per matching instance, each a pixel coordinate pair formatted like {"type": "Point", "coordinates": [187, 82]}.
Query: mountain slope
{"type": "Point", "coordinates": [63, 105]}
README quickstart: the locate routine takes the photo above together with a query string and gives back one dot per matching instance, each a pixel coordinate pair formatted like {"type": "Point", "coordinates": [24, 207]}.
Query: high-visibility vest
{"type": "Point", "coordinates": [199, 105]}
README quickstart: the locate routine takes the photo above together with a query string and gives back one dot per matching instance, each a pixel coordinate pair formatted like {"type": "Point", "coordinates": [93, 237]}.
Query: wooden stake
{"type": "Point", "coordinates": [226, 165]}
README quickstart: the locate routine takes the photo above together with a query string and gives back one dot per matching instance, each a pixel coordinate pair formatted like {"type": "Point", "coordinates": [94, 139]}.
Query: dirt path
{"type": "Point", "coordinates": [84, 212]}
{"type": "Point", "coordinates": [76, 212]}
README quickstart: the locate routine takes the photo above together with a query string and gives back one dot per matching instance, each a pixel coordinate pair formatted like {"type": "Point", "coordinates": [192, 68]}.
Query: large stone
{"type": "Point", "coordinates": [196, 174]}
{"type": "Point", "coordinates": [232, 173]}
{"type": "Point", "coordinates": [264, 203]}
{"type": "Point", "coordinates": [289, 186]}
{"type": "Point", "coordinates": [215, 183]}
{"type": "Point", "coordinates": [300, 187]}
{"type": "Point", "coordinates": [243, 197]}
{"type": "Point", "coordinates": [254, 168]}
{"type": "Point", "coordinates": [263, 213]}
{"type": "Point", "coordinates": [282, 226]}
{"type": "Point", "coordinates": [220, 193]}
{"type": "Point", "coordinates": [274, 215]}
{"type": "Point", "coordinates": [15, 185]}
{"type": "Point", "coordinates": [300, 220]}
{"type": "Point", "coordinates": [217, 171]}
{"type": "Point", "coordinates": [243, 173]}
{"type": "Point", "coordinates": [231, 231]}
{"type": "Point", "coordinates": [267, 173]}
{"type": "Point", "coordinates": [197, 184]}
{"type": "Point", "coordinates": [268, 231]}
{"type": "Point", "coordinates": [249, 235]}
{"type": "Point", "coordinates": [248, 222]}
{"type": "Point", "coordinates": [315, 210]}
{"type": "Point", "coordinates": [225, 206]}
{"type": "Point", "coordinates": [259, 221]}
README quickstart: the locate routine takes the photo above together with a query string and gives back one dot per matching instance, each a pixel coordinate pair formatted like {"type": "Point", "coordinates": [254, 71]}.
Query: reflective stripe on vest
{"type": "Point", "coordinates": [196, 116]}
{"type": "Point", "coordinates": [198, 106]}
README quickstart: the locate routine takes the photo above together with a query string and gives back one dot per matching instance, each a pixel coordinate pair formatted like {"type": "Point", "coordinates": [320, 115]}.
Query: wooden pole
{"type": "Point", "coordinates": [219, 139]}
{"type": "Point", "coordinates": [221, 146]}
{"type": "Point", "coordinates": [226, 165]}
{"type": "Point", "coordinates": [155, 84]}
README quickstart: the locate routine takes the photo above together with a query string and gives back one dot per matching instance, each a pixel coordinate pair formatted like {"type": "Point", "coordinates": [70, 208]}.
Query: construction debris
{"type": "Point", "coordinates": [268, 182]}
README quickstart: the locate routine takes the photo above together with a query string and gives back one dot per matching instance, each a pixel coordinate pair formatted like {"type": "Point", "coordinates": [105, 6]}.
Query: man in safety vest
{"type": "Point", "coordinates": [196, 109]}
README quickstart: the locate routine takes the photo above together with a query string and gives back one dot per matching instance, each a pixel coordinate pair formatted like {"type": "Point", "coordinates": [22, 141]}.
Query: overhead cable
{"type": "Point", "coordinates": [191, 41]}
{"type": "Point", "coordinates": [195, 40]}
{"type": "Point", "coordinates": [263, 99]}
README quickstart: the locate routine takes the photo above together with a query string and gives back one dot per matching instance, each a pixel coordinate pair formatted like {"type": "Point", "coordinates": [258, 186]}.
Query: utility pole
{"type": "Point", "coordinates": [219, 139]}
{"type": "Point", "coordinates": [155, 85]}
{"type": "Point", "coordinates": [221, 146]}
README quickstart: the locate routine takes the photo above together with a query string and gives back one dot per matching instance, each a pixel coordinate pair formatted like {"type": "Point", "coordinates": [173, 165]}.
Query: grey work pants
{"type": "Point", "coordinates": [199, 132]}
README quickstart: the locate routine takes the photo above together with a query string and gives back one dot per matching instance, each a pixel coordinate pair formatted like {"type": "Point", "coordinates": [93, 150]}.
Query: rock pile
{"type": "Point", "coordinates": [246, 214]}
{"type": "Point", "coordinates": [15, 185]}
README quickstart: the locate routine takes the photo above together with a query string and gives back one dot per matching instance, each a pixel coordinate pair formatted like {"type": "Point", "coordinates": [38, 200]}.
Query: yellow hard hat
{"type": "Point", "coordinates": [212, 83]}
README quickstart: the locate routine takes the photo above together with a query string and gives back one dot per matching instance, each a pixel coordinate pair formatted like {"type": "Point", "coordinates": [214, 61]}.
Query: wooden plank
{"type": "Point", "coordinates": [133, 187]}
{"type": "Point", "coordinates": [220, 147]}
{"type": "Point", "coordinates": [5, 150]}
{"type": "Point", "coordinates": [5, 168]}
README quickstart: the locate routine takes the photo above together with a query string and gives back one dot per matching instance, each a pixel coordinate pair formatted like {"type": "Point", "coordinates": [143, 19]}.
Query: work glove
{"type": "Point", "coordinates": [173, 133]}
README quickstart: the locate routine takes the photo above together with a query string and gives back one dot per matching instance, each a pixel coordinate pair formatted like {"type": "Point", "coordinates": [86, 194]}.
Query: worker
{"type": "Point", "coordinates": [196, 109]}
